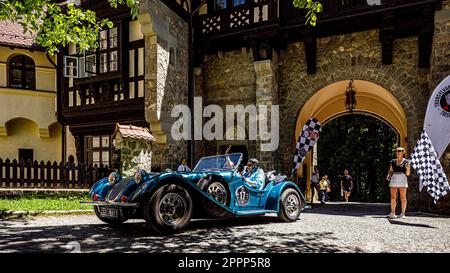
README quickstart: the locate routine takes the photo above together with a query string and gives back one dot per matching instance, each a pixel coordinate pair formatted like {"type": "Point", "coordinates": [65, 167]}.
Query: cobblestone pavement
{"type": "Point", "coordinates": [332, 228]}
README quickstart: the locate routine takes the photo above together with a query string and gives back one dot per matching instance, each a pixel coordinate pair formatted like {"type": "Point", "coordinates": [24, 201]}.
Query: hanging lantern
{"type": "Point", "coordinates": [350, 97]}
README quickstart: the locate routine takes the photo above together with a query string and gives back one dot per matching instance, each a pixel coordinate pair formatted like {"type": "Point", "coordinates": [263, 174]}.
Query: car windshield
{"type": "Point", "coordinates": [222, 162]}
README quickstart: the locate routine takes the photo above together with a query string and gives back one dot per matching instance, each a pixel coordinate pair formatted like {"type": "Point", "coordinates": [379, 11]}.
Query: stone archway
{"type": "Point", "coordinates": [327, 103]}
{"type": "Point", "coordinates": [397, 81]}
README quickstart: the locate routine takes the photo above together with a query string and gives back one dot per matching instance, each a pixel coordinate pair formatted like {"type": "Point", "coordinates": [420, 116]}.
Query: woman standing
{"type": "Point", "coordinates": [399, 170]}
{"type": "Point", "coordinates": [182, 166]}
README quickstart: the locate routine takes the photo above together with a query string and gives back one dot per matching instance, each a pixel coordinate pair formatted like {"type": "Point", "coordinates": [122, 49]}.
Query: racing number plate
{"type": "Point", "coordinates": [109, 212]}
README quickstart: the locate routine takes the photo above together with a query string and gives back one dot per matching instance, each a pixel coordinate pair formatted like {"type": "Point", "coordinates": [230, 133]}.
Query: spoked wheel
{"type": "Point", "coordinates": [169, 209]}
{"type": "Point", "coordinates": [290, 206]}
{"type": "Point", "coordinates": [218, 191]}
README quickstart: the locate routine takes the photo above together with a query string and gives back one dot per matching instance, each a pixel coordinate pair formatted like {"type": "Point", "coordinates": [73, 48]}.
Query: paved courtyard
{"type": "Point", "coordinates": [335, 227]}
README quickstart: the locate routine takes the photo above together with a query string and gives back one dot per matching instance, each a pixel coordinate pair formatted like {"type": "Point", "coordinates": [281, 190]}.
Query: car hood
{"type": "Point", "coordinates": [131, 190]}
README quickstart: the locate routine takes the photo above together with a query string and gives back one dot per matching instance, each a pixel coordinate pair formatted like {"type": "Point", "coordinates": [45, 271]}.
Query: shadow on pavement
{"type": "Point", "coordinates": [403, 223]}
{"type": "Point", "coordinates": [350, 209]}
{"type": "Point", "coordinates": [226, 235]}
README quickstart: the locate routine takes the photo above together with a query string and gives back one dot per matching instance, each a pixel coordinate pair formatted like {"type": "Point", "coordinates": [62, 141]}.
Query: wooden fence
{"type": "Point", "coordinates": [34, 174]}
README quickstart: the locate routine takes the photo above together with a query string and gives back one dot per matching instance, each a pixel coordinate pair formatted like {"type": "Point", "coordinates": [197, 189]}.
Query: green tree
{"type": "Point", "coordinates": [56, 25]}
{"type": "Point", "coordinates": [366, 145]}
{"type": "Point", "coordinates": [313, 8]}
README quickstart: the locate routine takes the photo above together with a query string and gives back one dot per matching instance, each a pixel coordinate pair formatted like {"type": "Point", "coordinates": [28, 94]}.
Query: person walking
{"type": "Point", "coordinates": [399, 170]}
{"type": "Point", "coordinates": [346, 185]}
{"type": "Point", "coordinates": [182, 166]}
{"type": "Point", "coordinates": [315, 179]}
{"type": "Point", "coordinates": [324, 186]}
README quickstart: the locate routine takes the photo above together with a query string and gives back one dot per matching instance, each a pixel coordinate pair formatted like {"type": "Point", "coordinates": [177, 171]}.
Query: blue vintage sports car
{"type": "Point", "coordinates": [215, 188]}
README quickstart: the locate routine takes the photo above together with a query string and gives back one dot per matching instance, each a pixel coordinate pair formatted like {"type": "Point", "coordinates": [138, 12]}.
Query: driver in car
{"type": "Point", "coordinates": [253, 174]}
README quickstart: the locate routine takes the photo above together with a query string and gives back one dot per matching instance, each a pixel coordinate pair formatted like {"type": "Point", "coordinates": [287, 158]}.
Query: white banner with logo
{"type": "Point", "coordinates": [437, 118]}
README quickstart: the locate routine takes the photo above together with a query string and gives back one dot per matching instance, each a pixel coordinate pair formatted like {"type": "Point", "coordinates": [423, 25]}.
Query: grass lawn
{"type": "Point", "coordinates": [44, 202]}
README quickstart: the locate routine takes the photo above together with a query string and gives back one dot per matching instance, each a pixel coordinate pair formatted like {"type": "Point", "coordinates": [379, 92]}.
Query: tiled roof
{"type": "Point", "coordinates": [130, 131]}
{"type": "Point", "coordinates": [11, 34]}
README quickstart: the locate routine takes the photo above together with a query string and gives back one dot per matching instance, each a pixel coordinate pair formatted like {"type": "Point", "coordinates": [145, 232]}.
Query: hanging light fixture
{"type": "Point", "coordinates": [350, 97]}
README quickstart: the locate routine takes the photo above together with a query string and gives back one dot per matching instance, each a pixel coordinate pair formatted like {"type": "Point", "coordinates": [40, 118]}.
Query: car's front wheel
{"type": "Point", "coordinates": [169, 209]}
{"type": "Point", "coordinates": [117, 220]}
{"type": "Point", "coordinates": [290, 205]}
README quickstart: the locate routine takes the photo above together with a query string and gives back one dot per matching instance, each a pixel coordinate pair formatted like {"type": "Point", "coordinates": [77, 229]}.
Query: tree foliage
{"type": "Point", "coordinates": [313, 8]}
{"type": "Point", "coordinates": [365, 146]}
{"type": "Point", "coordinates": [57, 25]}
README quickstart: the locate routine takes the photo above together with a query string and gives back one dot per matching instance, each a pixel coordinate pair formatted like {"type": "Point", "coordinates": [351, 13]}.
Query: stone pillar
{"type": "Point", "coordinates": [200, 145]}
{"type": "Point", "coordinates": [266, 94]}
{"type": "Point", "coordinates": [166, 77]}
{"type": "Point", "coordinates": [440, 66]}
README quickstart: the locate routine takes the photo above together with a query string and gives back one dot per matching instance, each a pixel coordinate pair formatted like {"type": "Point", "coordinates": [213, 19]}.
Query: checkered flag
{"type": "Point", "coordinates": [306, 141]}
{"type": "Point", "coordinates": [426, 162]}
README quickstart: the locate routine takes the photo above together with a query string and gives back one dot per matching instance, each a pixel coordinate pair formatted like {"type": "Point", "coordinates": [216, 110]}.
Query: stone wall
{"type": "Point", "coordinates": [229, 78]}
{"type": "Point", "coordinates": [166, 76]}
{"type": "Point", "coordinates": [134, 154]}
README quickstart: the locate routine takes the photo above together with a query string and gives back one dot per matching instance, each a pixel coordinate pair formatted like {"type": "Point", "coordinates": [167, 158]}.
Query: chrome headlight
{"type": "Point", "coordinates": [112, 178]}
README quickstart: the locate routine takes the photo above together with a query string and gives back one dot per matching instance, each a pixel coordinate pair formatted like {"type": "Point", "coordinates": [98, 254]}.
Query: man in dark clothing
{"type": "Point", "coordinates": [346, 185]}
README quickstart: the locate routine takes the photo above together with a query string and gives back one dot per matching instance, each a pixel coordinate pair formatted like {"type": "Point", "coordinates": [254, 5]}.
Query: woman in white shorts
{"type": "Point", "coordinates": [398, 175]}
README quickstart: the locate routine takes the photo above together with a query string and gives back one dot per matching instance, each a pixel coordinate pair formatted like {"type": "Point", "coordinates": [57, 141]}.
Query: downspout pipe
{"type": "Point", "coordinates": [59, 89]}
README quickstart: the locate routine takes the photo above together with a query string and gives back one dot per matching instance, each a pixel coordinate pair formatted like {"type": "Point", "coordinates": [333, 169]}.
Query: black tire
{"type": "Point", "coordinates": [289, 212]}
{"type": "Point", "coordinates": [211, 209]}
{"type": "Point", "coordinates": [110, 221]}
{"type": "Point", "coordinates": [163, 199]}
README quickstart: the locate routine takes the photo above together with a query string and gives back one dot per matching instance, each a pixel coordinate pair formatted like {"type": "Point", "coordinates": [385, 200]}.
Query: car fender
{"type": "Point", "coordinates": [273, 198]}
{"type": "Point", "coordinates": [147, 189]}
{"type": "Point", "coordinates": [101, 187]}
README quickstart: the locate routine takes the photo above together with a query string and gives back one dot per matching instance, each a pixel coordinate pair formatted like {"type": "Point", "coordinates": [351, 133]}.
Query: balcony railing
{"type": "Point", "coordinates": [257, 13]}
{"type": "Point", "coordinates": [251, 14]}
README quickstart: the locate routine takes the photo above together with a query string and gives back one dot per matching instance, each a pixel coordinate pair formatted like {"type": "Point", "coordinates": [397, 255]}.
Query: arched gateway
{"type": "Point", "coordinates": [372, 99]}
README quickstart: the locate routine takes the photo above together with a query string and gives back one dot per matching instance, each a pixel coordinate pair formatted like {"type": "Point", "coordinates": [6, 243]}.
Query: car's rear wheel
{"type": "Point", "coordinates": [169, 209]}
{"type": "Point", "coordinates": [290, 205]}
{"type": "Point", "coordinates": [219, 191]}
{"type": "Point", "coordinates": [112, 221]}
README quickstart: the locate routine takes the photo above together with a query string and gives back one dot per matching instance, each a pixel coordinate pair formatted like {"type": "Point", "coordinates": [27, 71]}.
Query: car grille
{"type": "Point", "coordinates": [116, 191]}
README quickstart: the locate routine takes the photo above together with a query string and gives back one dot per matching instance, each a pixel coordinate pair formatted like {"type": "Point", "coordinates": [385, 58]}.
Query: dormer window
{"type": "Point", "coordinates": [22, 73]}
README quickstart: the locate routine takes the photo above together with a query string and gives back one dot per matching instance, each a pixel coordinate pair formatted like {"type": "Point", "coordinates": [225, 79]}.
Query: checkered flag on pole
{"type": "Point", "coordinates": [427, 165]}
{"type": "Point", "coordinates": [306, 141]}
